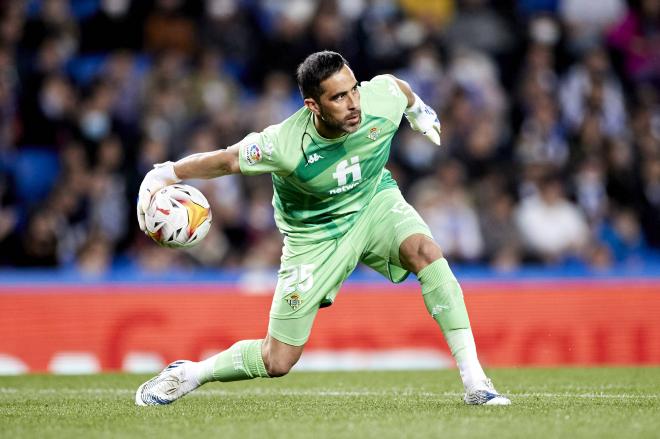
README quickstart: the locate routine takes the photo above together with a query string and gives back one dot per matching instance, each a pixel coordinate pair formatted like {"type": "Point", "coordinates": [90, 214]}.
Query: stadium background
{"type": "Point", "coordinates": [545, 195]}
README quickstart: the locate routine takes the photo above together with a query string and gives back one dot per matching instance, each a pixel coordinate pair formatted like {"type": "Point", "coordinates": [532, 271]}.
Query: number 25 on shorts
{"type": "Point", "coordinates": [298, 278]}
{"type": "Point", "coordinates": [296, 281]}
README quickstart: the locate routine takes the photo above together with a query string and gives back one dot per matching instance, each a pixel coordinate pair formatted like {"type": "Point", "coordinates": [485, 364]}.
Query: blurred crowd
{"type": "Point", "coordinates": [550, 113]}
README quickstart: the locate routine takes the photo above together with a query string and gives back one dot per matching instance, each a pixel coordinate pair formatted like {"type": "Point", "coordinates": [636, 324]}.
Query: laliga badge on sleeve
{"type": "Point", "coordinates": [253, 154]}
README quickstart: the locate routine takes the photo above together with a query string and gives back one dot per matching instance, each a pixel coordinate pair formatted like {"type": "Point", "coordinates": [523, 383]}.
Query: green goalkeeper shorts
{"type": "Point", "coordinates": [310, 275]}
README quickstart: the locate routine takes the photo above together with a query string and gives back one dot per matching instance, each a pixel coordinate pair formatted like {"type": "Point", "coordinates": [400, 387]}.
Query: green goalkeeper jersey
{"type": "Point", "coordinates": [321, 185]}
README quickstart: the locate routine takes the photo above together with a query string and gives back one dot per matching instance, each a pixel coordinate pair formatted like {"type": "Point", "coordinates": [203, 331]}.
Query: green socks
{"type": "Point", "coordinates": [242, 361]}
{"type": "Point", "coordinates": [444, 301]}
{"type": "Point", "coordinates": [443, 296]}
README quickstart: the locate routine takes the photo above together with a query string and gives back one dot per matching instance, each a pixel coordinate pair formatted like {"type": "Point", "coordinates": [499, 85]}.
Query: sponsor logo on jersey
{"type": "Point", "coordinates": [344, 188]}
{"type": "Point", "coordinates": [253, 154]}
{"type": "Point", "coordinates": [342, 172]}
{"type": "Point", "coordinates": [314, 158]}
{"type": "Point", "coordinates": [374, 133]}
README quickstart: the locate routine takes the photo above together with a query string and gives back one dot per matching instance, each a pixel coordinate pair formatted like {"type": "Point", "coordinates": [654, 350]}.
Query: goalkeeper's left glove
{"type": "Point", "coordinates": [423, 118]}
{"type": "Point", "coordinates": [160, 176]}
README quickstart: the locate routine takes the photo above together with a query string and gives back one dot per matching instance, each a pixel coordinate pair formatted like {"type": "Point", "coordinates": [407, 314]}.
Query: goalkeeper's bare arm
{"type": "Point", "coordinates": [209, 164]}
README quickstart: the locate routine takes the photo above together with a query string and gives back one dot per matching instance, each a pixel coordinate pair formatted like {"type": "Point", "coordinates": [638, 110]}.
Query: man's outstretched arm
{"type": "Point", "coordinates": [208, 165]}
{"type": "Point", "coordinates": [421, 117]}
{"type": "Point", "coordinates": [204, 165]}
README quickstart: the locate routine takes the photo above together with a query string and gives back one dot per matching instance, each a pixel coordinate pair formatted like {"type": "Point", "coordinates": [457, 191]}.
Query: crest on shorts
{"type": "Point", "coordinates": [294, 300]}
{"type": "Point", "coordinates": [374, 132]}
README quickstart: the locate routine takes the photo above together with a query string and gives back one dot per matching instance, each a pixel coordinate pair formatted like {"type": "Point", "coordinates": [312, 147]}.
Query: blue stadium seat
{"type": "Point", "coordinates": [35, 172]}
{"type": "Point", "coordinates": [79, 8]}
{"type": "Point", "coordinates": [83, 69]}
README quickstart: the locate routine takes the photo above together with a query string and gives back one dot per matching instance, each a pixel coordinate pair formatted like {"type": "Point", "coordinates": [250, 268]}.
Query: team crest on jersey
{"type": "Point", "coordinates": [374, 133]}
{"type": "Point", "coordinates": [294, 300]}
{"type": "Point", "coordinates": [253, 154]}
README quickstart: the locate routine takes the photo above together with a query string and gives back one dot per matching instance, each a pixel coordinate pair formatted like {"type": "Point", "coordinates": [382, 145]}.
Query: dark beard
{"type": "Point", "coordinates": [331, 123]}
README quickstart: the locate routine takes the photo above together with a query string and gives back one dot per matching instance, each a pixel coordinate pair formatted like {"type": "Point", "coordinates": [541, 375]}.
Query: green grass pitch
{"type": "Point", "coordinates": [556, 403]}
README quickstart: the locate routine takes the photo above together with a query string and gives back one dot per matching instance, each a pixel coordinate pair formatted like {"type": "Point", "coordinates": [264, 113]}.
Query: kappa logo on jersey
{"type": "Point", "coordinates": [253, 154]}
{"type": "Point", "coordinates": [268, 149]}
{"type": "Point", "coordinates": [374, 133]}
{"type": "Point", "coordinates": [393, 88]}
{"type": "Point", "coordinates": [314, 158]}
{"type": "Point", "coordinates": [342, 172]}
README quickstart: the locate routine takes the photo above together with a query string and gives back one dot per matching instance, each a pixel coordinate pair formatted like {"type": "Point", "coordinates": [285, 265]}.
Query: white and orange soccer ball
{"type": "Point", "coordinates": [178, 216]}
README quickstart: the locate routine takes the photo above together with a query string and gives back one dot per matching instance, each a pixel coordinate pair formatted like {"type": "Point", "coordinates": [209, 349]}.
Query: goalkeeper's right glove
{"type": "Point", "coordinates": [162, 175]}
{"type": "Point", "coordinates": [423, 118]}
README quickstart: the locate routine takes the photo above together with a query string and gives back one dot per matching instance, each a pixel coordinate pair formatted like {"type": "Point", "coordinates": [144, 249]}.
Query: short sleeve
{"type": "Point", "coordinates": [258, 154]}
{"type": "Point", "coordinates": [382, 96]}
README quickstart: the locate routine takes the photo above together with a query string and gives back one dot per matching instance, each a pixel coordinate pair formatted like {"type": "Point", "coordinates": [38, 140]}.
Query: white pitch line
{"type": "Point", "coordinates": [316, 393]}
{"type": "Point", "coordinates": [581, 395]}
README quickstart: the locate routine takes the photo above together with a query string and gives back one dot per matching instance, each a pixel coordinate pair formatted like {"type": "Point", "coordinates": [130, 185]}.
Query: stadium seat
{"type": "Point", "coordinates": [35, 171]}
{"type": "Point", "coordinates": [83, 69]}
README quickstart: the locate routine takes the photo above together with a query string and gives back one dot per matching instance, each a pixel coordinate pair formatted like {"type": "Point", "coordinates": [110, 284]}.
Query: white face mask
{"type": "Point", "coordinates": [544, 30]}
{"type": "Point", "coordinates": [426, 66]}
{"type": "Point", "coordinates": [115, 8]}
{"type": "Point", "coordinates": [221, 8]}
{"type": "Point", "coordinates": [95, 124]}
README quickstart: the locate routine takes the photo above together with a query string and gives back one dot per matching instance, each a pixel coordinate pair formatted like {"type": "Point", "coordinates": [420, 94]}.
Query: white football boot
{"type": "Point", "coordinates": [484, 393]}
{"type": "Point", "coordinates": [166, 387]}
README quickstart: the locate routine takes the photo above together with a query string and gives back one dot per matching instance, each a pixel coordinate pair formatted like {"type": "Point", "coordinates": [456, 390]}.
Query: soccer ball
{"type": "Point", "coordinates": [178, 216]}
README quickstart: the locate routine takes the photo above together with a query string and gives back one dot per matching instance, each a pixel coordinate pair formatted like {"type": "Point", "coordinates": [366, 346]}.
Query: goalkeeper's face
{"type": "Point", "coordinates": [339, 104]}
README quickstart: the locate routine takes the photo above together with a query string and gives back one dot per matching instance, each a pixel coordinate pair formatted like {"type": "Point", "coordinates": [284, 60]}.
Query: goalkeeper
{"type": "Point", "coordinates": [336, 205]}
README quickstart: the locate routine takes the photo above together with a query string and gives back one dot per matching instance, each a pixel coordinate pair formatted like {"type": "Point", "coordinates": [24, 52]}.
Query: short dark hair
{"type": "Point", "coordinates": [316, 68]}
